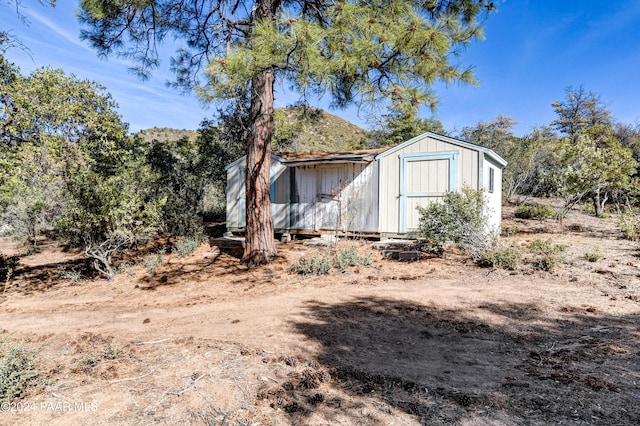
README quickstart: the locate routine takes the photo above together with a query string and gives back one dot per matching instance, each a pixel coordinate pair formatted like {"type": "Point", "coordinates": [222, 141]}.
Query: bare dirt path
{"type": "Point", "coordinates": [439, 341]}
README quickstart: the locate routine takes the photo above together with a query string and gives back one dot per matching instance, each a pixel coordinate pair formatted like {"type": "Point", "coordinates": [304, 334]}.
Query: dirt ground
{"type": "Point", "coordinates": [437, 341]}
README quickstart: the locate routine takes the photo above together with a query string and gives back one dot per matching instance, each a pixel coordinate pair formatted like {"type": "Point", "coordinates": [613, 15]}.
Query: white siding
{"type": "Point", "coordinates": [303, 195]}
{"type": "Point", "coordinates": [377, 197]}
{"type": "Point", "coordinates": [334, 197]}
{"type": "Point", "coordinates": [280, 201]}
{"type": "Point", "coordinates": [494, 198]}
{"type": "Point", "coordinates": [235, 196]}
{"type": "Point", "coordinates": [236, 200]}
{"type": "Point", "coordinates": [430, 176]}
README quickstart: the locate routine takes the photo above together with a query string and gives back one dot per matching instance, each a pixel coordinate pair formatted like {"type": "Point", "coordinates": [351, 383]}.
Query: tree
{"type": "Point", "coordinates": [583, 169]}
{"type": "Point", "coordinates": [7, 40]}
{"type": "Point", "coordinates": [382, 49]}
{"type": "Point", "coordinates": [579, 112]}
{"type": "Point", "coordinates": [110, 210]}
{"type": "Point", "coordinates": [598, 162]}
{"type": "Point", "coordinates": [42, 116]}
{"type": "Point", "coordinates": [189, 169]}
{"type": "Point", "coordinates": [498, 135]}
{"type": "Point", "coordinates": [68, 165]}
{"type": "Point", "coordinates": [524, 154]}
{"type": "Point", "coordinates": [528, 162]}
{"type": "Point", "coordinates": [629, 137]}
{"type": "Point", "coordinates": [400, 126]}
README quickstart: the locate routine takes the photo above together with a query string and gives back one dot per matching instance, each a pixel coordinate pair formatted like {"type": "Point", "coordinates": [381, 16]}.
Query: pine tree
{"type": "Point", "coordinates": [353, 50]}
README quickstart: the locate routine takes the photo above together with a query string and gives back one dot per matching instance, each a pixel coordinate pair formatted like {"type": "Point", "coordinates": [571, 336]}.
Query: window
{"type": "Point", "coordinates": [491, 179]}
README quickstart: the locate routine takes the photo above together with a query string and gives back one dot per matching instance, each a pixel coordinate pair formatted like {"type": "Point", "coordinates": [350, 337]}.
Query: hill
{"type": "Point", "coordinates": [163, 134]}
{"type": "Point", "coordinates": [305, 129]}
{"type": "Point", "coordinates": [298, 129]}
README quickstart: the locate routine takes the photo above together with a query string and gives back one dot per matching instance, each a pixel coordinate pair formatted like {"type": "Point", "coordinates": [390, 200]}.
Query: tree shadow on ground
{"type": "Point", "coordinates": [30, 279]}
{"type": "Point", "coordinates": [448, 366]}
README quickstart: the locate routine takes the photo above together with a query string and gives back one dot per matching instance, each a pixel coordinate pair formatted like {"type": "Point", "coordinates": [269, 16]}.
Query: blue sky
{"type": "Point", "coordinates": [533, 50]}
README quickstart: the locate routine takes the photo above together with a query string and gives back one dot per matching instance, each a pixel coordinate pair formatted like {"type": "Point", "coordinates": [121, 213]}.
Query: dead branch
{"type": "Point", "coordinates": [153, 342]}
{"type": "Point", "coordinates": [127, 379]}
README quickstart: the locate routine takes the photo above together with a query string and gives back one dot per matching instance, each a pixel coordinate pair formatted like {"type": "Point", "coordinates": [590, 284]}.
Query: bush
{"type": "Point", "coordinates": [500, 257]}
{"type": "Point", "coordinates": [153, 261]}
{"type": "Point", "coordinates": [321, 263]}
{"type": "Point", "coordinates": [534, 211]}
{"type": "Point", "coordinates": [629, 223]}
{"type": "Point", "coordinates": [8, 265]}
{"type": "Point", "coordinates": [510, 231]}
{"type": "Point", "coordinates": [593, 256]}
{"type": "Point", "coordinates": [349, 257]}
{"type": "Point", "coordinates": [458, 219]}
{"type": "Point", "coordinates": [70, 274]}
{"type": "Point", "coordinates": [318, 264]}
{"type": "Point", "coordinates": [545, 247]}
{"type": "Point", "coordinates": [17, 371]}
{"type": "Point", "coordinates": [546, 254]}
{"type": "Point", "coordinates": [187, 244]}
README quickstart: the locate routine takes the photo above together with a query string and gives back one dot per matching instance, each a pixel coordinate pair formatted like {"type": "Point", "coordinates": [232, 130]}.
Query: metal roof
{"type": "Point", "coordinates": [301, 158]}
{"type": "Point", "coordinates": [369, 155]}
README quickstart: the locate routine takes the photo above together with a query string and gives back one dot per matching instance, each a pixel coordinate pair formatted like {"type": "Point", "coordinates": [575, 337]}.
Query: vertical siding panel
{"type": "Point", "coordinates": [281, 201]}
{"type": "Point", "coordinates": [390, 193]}
{"type": "Point", "coordinates": [432, 177]}
{"type": "Point", "coordinates": [235, 180]}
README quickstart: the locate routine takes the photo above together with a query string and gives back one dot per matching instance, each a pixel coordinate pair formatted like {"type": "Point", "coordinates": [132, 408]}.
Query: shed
{"type": "Point", "coordinates": [371, 192]}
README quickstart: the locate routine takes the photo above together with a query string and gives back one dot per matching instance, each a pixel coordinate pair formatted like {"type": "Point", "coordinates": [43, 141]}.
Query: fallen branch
{"type": "Point", "coordinates": [213, 254]}
{"type": "Point", "coordinates": [153, 342]}
{"type": "Point", "coordinates": [127, 379]}
{"type": "Point", "coordinates": [191, 386]}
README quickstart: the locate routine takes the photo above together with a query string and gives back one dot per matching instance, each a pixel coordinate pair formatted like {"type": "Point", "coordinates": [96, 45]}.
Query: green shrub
{"type": "Point", "coordinates": [546, 254]}
{"type": "Point", "coordinates": [349, 257]}
{"type": "Point", "coordinates": [534, 211]}
{"type": "Point", "coordinates": [125, 268]}
{"type": "Point", "coordinates": [318, 264]}
{"type": "Point", "coordinates": [18, 371]}
{"type": "Point", "coordinates": [629, 223]}
{"type": "Point", "coordinates": [593, 256]}
{"type": "Point", "coordinates": [71, 275]}
{"type": "Point", "coordinates": [545, 247]}
{"type": "Point", "coordinates": [8, 265]}
{"type": "Point", "coordinates": [153, 261]}
{"type": "Point", "coordinates": [458, 219]}
{"type": "Point", "coordinates": [500, 257]}
{"type": "Point", "coordinates": [187, 244]}
{"type": "Point", "coordinates": [510, 231]}
{"type": "Point", "coordinates": [97, 354]}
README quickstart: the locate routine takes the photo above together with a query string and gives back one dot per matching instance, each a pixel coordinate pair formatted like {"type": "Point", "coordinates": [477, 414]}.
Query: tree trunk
{"type": "Point", "coordinates": [259, 244]}
{"type": "Point", "coordinates": [599, 201]}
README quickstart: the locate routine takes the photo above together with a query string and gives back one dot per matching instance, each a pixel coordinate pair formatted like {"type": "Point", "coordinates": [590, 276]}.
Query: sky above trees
{"type": "Point", "coordinates": [532, 52]}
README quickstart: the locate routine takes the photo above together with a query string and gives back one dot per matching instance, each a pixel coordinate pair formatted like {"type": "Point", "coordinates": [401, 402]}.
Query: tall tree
{"type": "Point", "coordinates": [400, 126]}
{"type": "Point", "coordinates": [629, 137]}
{"type": "Point", "coordinates": [524, 154]}
{"type": "Point", "coordinates": [43, 116]}
{"type": "Point", "coordinates": [498, 135]}
{"type": "Point", "coordinates": [380, 49]}
{"type": "Point", "coordinates": [606, 165]}
{"type": "Point", "coordinates": [580, 111]}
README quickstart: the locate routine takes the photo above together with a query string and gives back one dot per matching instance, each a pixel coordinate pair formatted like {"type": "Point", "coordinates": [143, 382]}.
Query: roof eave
{"type": "Point", "coordinates": [492, 154]}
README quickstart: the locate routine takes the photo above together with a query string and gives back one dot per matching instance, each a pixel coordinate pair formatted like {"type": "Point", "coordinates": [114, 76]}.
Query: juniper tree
{"type": "Point", "coordinates": [580, 111]}
{"type": "Point", "coordinates": [353, 50]}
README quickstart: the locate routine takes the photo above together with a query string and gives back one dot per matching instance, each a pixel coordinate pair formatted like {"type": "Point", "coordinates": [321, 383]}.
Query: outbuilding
{"type": "Point", "coordinates": [369, 192]}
